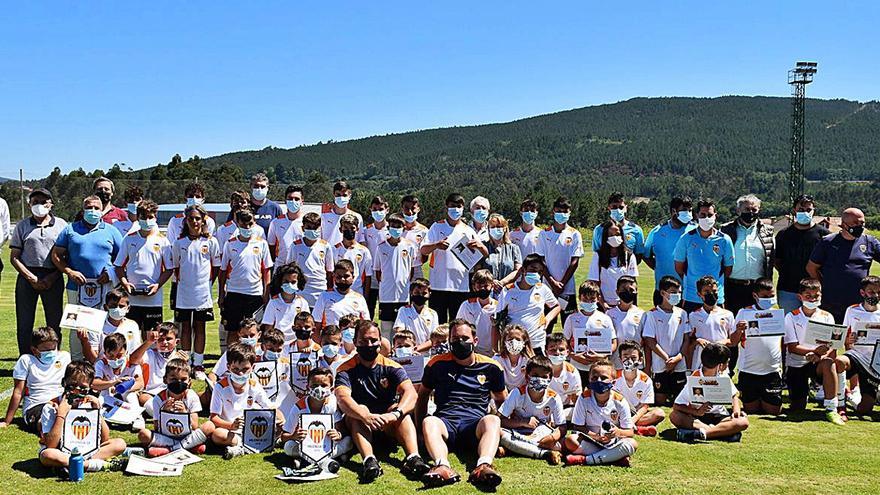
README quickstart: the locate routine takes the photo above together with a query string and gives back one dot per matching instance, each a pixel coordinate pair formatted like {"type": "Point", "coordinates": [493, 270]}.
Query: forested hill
{"type": "Point", "coordinates": [652, 147]}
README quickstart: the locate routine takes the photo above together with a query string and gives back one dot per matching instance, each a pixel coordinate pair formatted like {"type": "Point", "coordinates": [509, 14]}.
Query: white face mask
{"type": "Point", "coordinates": [514, 346]}
{"type": "Point", "coordinates": [707, 223]}
{"type": "Point", "coordinates": [615, 241]}
{"type": "Point", "coordinates": [39, 210]}
{"type": "Point", "coordinates": [117, 313]}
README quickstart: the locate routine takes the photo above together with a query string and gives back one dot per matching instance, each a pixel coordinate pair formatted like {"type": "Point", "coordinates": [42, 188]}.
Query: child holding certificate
{"type": "Point", "coordinates": [709, 323]}
{"type": "Point", "coordinates": [587, 327]}
{"type": "Point", "coordinates": [638, 389]}
{"type": "Point", "coordinates": [699, 420]}
{"type": "Point", "coordinates": [859, 359]}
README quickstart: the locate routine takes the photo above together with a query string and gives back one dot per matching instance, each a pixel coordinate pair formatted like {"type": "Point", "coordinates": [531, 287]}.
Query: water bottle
{"type": "Point", "coordinates": [122, 388]}
{"type": "Point", "coordinates": [76, 466]}
{"type": "Point", "coordinates": [606, 428]}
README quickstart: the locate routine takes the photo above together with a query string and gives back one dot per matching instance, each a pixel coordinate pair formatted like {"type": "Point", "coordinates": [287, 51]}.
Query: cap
{"type": "Point", "coordinates": [41, 190]}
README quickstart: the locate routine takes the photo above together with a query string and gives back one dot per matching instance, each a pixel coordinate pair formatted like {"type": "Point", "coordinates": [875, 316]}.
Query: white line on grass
{"type": "Point", "coordinates": [6, 394]}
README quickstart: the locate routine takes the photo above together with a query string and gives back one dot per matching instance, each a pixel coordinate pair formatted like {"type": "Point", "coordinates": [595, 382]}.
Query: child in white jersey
{"type": "Point", "coordinates": [638, 389]}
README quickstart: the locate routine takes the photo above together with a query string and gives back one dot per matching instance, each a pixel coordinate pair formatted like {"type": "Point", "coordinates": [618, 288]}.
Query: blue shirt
{"type": "Point", "coordinates": [263, 214]}
{"type": "Point", "coordinates": [633, 236]}
{"type": "Point", "coordinates": [703, 257]}
{"type": "Point", "coordinates": [376, 387]}
{"type": "Point", "coordinates": [844, 264]}
{"type": "Point", "coordinates": [462, 391]}
{"type": "Point", "coordinates": [661, 243]}
{"type": "Point", "coordinates": [90, 250]}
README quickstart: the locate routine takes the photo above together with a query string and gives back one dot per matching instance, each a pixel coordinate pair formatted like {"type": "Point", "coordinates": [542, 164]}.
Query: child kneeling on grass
{"type": "Point", "coordinates": [707, 421]}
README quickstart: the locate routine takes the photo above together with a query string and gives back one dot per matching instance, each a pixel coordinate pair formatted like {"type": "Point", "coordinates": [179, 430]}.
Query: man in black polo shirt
{"type": "Point", "coordinates": [462, 382]}
{"type": "Point", "coordinates": [794, 244]}
{"type": "Point", "coordinates": [377, 396]}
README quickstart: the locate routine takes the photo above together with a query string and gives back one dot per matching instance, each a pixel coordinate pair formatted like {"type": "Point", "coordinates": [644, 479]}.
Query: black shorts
{"type": "Point", "coordinates": [146, 317]}
{"type": "Point", "coordinates": [712, 418]}
{"type": "Point", "coordinates": [237, 307]}
{"type": "Point", "coordinates": [798, 381]}
{"type": "Point", "coordinates": [173, 297]}
{"type": "Point", "coordinates": [461, 427]}
{"type": "Point", "coordinates": [669, 383]}
{"type": "Point", "coordinates": [206, 314]}
{"type": "Point", "coordinates": [867, 383]}
{"type": "Point", "coordinates": [765, 388]}
{"type": "Point", "coordinates": [388, 311]}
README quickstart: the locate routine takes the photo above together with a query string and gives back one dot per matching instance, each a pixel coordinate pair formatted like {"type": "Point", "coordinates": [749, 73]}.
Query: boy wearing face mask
{"type": "Point", "coordinates": [314, 256]}
{"type": "Point", "coordinates": [760, 358]}
{"type": "Point", "coordinates": [565, 379]}
{"type": "Point", "coordinates": [116, 306]}
{"type": "Point", "coordinates": [393, 269]}
{"type": "Point", "coordinates": [303, 330]}
{"type": "Point", "coordinates": [39, 373]}
{"type": "Point", "coordinates": [234, 393]}
{"type": "Point", "coordinates": [586, 320]}
{"type": "Point", "coordinates": [703, 251]}
{"type": "Point", "coordinates": [440, 340]}
{"type": "Point", "coordinates": [153, 355]}
{"type": "Point", "coordinates": [287, 282]}
{"type": "Point", "coordinates": [331, 348]}
{"type": "Point", "coordinates": [331, 214]}
{"type": "Point", "coordinates": [562, 248]}
{"type": "Point", "coordinates": [527, 301]}
{"type": "Point", "coordinates": [638, 389]}
{"type": "Point", "coordinates": [264, 209]}
{"type": "Point", "coordinates": [287, 228]}
{"type": "Point", "coordinates": [417, 317]}
{"type": "Point", "coordinates": [375, 234]}
{"type": "Point", "coordinates": [143, 265]}
{"type": "Point", "coordinates": [632, 235]}
{"type": "Point", "coordinates": [346, 327]}
{"type": "Point", "coordinates": [709, 324]}
{"type": "Point", "coordinates": [480, 308]}
{"type": "Point", "coordinates": [526, 235]}
{"type": "Point", "coordinates": [245, 270]}
{"type": "Point", "coordinates": [664, 333]}
{"type": "Point", "coordinates": [602, 415]}
{"type": "Point", "coordinates": [249, 336]}
{"type": "Point", "coordinates": [341, 300]}
{"type": "Point", "coordinates": [350, 249]}
{"type": "Point", "coordinates": [271, 348]}
{"type": "Point", "coordinates": [133, 195]}
{"type": "Point", "coordinates": [113, 369]}
{"type": "Point", "coordinates": [626, 316]}
{"type": "Point", "coordinates": [177, 397]}
{"type": "Point", "coordinates": [532, 419]}
{"type": "Point", "coordinates": [319, 400]}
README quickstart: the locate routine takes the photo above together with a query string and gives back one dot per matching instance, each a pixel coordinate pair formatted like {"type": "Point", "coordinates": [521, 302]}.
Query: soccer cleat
{"type": "Point", "coordinates": [115, 464]}
{"type": "Point", "coordinates": [485, 476]}
{"type": "Point", "coordinates": [646, 431]}
{"type": "Point", "coordinates": [735, 438]}
{"type": "Point", "coordinates": [553, 457]}
{"type": "Point", "coordinates": [138, 424]}
{"type": "Point", "coordinates": [622, 462]}
{"type": "Point", "coordinates": [685, 435]}
{"type": "Point", "coordinates": [575, 460]}
{"type": "Point", "coordinates": [157, 451]}
{"type": "Point", "coordinates": [440, 476]}
{"type": "Point", "coordinates": [234, 451]}
{"type": "Point", "coordinates": [130, 451]}
{"type": "Point", "coordinates": [198, 449]}
{"type": "Point", "coordinates": [414, 467]}
{"type": "Point", "coordinates": [835, 418]}
{"type": "Point", "coordinates": [371, 470]}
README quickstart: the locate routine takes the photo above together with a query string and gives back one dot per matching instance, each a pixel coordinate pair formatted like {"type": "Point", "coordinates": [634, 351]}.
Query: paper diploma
{"type": "Point", "coordinates": [764, 323]}
{"type": "Point", "coordinates": [713, 389]}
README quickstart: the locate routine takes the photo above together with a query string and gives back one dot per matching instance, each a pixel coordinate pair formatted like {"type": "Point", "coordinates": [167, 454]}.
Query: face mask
{"type": "Point", "coordinates": [330, 350]}
{"type": "Point", "coordinates": [556, 360]}
{"type": "Point", "coordinates": [411, 218]}
{"type": "Point", "coordinates": [348, 335]}
{"type": "Point", "coordinates": [514, 346]}
{"type": "Point", "coordinates": [148, 224]}
{"type": "Point", "coordinates": [289, 288]}
{"type": "Point", "coordinates": [628, 297]}
{"type": "Point", "coordinates": [166, 354]}
{"type": "Point", "coordinates": [532, 278]}
{"type": "Point", "coordinates": [395, 232]}
{"type": "Point", "coordinates": [747, 217]}
{"type": "Point", "coordinates": [630, 364]}
{"type": "Point", "coordinates": [528, 217]}
{"type": "Point", "coordinates": [856, 231]}
{"type": "Point", "coordinates": [117, 363]}
{"type": "Point", "coordinates": [293, 206]}
{"type": "Point", "coordinates": [48, 357]}
{"type": "Point", "coordinates": [402, 352]}
{"type": "Point", "coordinates": [341, 201]}
{"type": "Point", "coordinates": [615, 241]}
{"type": "Point", "coordinates": [105, 196]}
{"type": "Point", "coordinates": [482, 293]}
{"type": "Point", "coordinates": [259, 193]}
{"type": "Point", "coordinates": [811, 305]}
{"type": "Point", "coordinates": [481, 215]}
{"type": "Point", "coordinates": [497, 233]}
{"type": "Point", "coordinates": [368, 352]}
{"type": "Point", "coordinates": [311, 234]}
{"type": "Point", "coordinates": [302, 333]}
{"type": "Point", "coordinates": [441, 348]}
{"type": "Point", "coordinates": [132, 208]}
{"type": "Point", "coordinates": [194, 201]}
{"type": "Point", "coordinates": [418, 299]}
{"type": "Point", "coordinates": [379, 215]}
{"type": "Point", "coordinates": [803, 217]}
{"type": "Point", "coordinates": [766, 302]}
{"type": "Point", "coordinates": [239, 379]}
{"type": "Point", "coordinates": [117, 313]}
{"type": "Point", "coordinates": [538, 384]}
{"type": "Point", "coordinates": [248, 341]}
{"type": "Point", "coordinates": [675, 298]}
{"type": "Point", "coordinates": [600, 387]}
{"type": "Point", "coordinates": [618, 214]}
{"type": "Point", "coordinates": [319, 393]}
{"type": "Point", "coordinates": [707, 223]}
{"type": "Point", "coordinates": [462, 350]}
{"type": "Point", "coordinates": [40, 211]}
{"type": "Point", "coordinates": [342, 287]}
{"type": "Point", "coordinates": [872, 300]}
{"type": "Point", "coordinates": [710, 298]}
{"type": "Point", "coordinates": [454, 213]}
{"type": "Point", "coordinates": [348, 235]}
{"type": "Point", "coordinates": [92, 216]}
{"type": "Point", "coordinates": [560, 217]}
{"type": "Point", "coordinates": [588, 307]}
{"type": "Point", "coordinates": [685, 216]}
{"type": "Point", "coordinates": [270, 355]}
{"type": "Point", "coordinates": [179, 387]}
{"type": "Point", "coordinates": [245, 232]}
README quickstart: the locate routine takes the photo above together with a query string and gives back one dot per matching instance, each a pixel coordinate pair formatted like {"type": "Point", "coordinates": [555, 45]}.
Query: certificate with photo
{"type": "Point", "coordinates": [458, 241]}
{"type": "Point", "coordinates": [76, 317]}
{"type": "Point", "coordinates": [414, 366]}
{"type": "Point", "coordinates": [597, 340]}
{"type": "Point", "coordinates": [712, 389]}
{"type": "Point", "coordinates": [764, 323]}
{"type": "Point", "coordinates": [818, 333]}
{"type": "Point", "coordinates": [151, 467]}
{"type": "Point", "coordinates": [867, 333]}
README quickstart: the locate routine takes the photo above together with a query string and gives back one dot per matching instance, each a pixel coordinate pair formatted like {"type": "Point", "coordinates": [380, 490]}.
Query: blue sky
{"type": "Point", "coordinates": [95, 83]}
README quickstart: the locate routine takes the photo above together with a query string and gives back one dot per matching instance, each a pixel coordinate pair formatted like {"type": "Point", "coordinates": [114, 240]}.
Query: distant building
{"type": "Point", "coordinates": [779, 223]}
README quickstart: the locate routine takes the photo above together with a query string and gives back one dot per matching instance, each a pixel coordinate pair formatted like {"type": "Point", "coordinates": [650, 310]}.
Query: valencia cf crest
{"type": "Point", "coordinates": [317, 432]}
{"type": "Point", "coordinates": [359, 257]}
{"type": "Point", "coordinates": [174, 427]}
{"type": "Point", "coordinates": [58, 365]}
{"type": "Point", "coordinates": [204, 249]}
{"type": "Point", "coordinates": [565, 385]}
{"type": "Point", "coordinates": [863, 248]}
{"type": "Point", "coordinates": [156, 248]}
{"type": "Point", "coordinates": [90, 289]}
{"type": "Point", "coordinates": [250, 400]}
{"type": "Point", "coordinates": [639, 394]}
{"type": "Point", "coordinates": [264, 376]}
{"type": "Point", "coordinates": [546, 411]}
{"type": "Point", "coordinates": [257, 250]}
{"type": "Point", "coordinates": [304, 365]}
{"type": "Point", "coordinates": [404, 254]}
{"type": "Point", "coordinates": [259, 426]}
{"type": "Point", "coordinates": [81, 427]}
{"type": "Point", "coordinates": [613, 416]}
{"type": "Point", "coordinates": [716, 249]}
{"type": "Point", "coordinates": [568, 241]}
{"type": "Point", "coordinates": [383, 382]}
{"type": "Point", "coordinates": [481, 378]}
{"type": "Point", "coordinates": [321, 255]}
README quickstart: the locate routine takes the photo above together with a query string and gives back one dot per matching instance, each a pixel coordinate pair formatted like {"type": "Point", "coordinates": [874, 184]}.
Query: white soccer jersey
{"type": "Point", "coordinates": [855, 314]}
{"type": "Point", "coordinates": [714, 327]}
{"type": "Point", "coordinates": [292, 415]}
{"type": "Point", "coordinates": [580, 324]}
{"type": "Point", "coordinates": [280, 314]}
{"type": "Point", "coordinates": [527, 241]}
{"type": "Point", "coordinates": [225, 232]}
{"type": "Point", "coordinates": [230, 405]}
{"type": "Point", "coordinates": [362, 260]}
{"type": "Point", "coordinates": [283, 232]}
{"type": "Point", "coordinates": [481, 318]}
{"type": "Point", "coordinates": [641, 392]}
{"type": "Point", "coordinates": [668, 329]}
{"type": "Point", "coordinates": [244, 263]}
{"type": "Point", "coordinates": [526, 307]}
{"type": "Point", "coordinates": [315, 261]}
{"type": "Point", "coordinates": [192, 261]}
{"type": "Point", "coordinates": [331, 305]}
{"type": "Point", "coordinates": [128, 328]}
{"type": "Point", "coordinates": [567, 384]}
{"type": "Point", "coordinates": [759, 355]}
{"type": "Point", "coordinates": [558, 248]}
{"type": "Point", "coordinates": [627, 326]}
{"type": "Point", "coordinates": [519, 405]}
{"type": "Point", "coordinates": [372, 238]}
{"type": "Point", "coordinates": [514, 374]}
{"type": "Point", "coordinates": [447, 272]}
{"type": "Point", "coordinates": [796, 330]}
{"type": "Point", "coordinates": [103, 371]}
{"type": "Point", "coordinates": [607, 277]}
{"type": "Point", "coordinates": [144, 259]}
{"type": "Point", "coordinates": [416, 235]}
{"type": "Point", "coordinates": [190, 400]}
{"type": "Point", "coordinates": [175, 227]}
{"type": "Point", "coordinates": [330, 225]}
{"type": "Point", "coordinates": [420, 324]}
{"type": "Point", "coordinates": [588, 412]}
{"type": "Point", "coordinates": [395, 264]}
{"type": "Point", "coordinates": [154, 370]}
{"type": "Point", "coordinates": [42, 381]}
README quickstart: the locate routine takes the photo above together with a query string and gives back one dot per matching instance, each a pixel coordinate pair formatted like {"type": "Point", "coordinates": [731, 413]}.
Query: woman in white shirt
{"type": "Point", "coordinates": [612, 261]}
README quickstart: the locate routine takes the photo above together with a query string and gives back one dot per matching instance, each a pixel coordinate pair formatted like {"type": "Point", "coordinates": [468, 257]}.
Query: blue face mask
{"type": "Point", "coordinates": [496, 233]}
{"type": "Point", "coordinates": [132, 208]}
{"type": "Point", "coordinates": [331, 350]}
{"type": "Point", "coordinates": [529, 217]}
{"type": "Point", "coordinates": [117, 363]}
{"type": "Point", "coordinates": [395, 232]}
{"type": "Point", "coordinates": [675, 298]}
{"type": "Point", "coordinates": [248, 341]}
{"type": "Point", "coordinates": [245, 232]}
{"type": "Point", "coordinates": [259, 193]}
{"type": "Point", "coordinates": [270, 355]}
{"type": "Point", "coordinates": [348, 335]}
{"type": "Point", "coordinates": [803, 217]}
{"type": "Point", "coordinates": [194, 201]}
{"type": "Point", "coordinates": [685, 216]}
{"type": "Point", "coordinates": [293, 206]}
{"type": "Point", "coordinates": [289, 288]}
{"type": "Point", "coordinates": [311, 234]}
{"type": "Point", "coordinates": [600, 387]}
{"type": "Point", "coordinates": [766, 302]}
{"type": "Point", "coordinates": [92, 216]}
{"type": "Point", "coordinates": [411, 218]}
{"type": "Point", "coordinates": [618, 214]}
{"type": "Point", "coordinates": [588, 307]}
{"type": "Point", "coordinates": [454, 213]}
{"type": "Point", "coordinates": [149, 224]}
{"type": "Point", "coordinates": [403, 352]}
{"type": "Point", "coordinates": [48, 357]}
{"type": "Point", "coordinates": [481, 215]}
{"type": "Point", "coordinates": [341, 201]}
{"type": "Point", "coordinates": [239, 379]}
{"type": "Point", "coordinates": [532, 278]}
{"type": "Point", "coordinates": [378, 215]}
{"type": "Point", "coordinates": [560, 217]}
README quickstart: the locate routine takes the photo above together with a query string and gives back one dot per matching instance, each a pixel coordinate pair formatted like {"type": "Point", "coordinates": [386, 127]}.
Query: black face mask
{"type": "Point", "coordinates": [872, 300]}
{"type": "Point", "coordinates": [348, 235]}
{"type": "Point", "coordinates": [462, 350]}
{"type": "Point", "coordinates": [341, 287]}
{"type": "Point", "coordinates": [856, 231]}
{"type": "Point", "coordinates": [302, 334]}
{"type": "Point", "coordinates": [628, 297]}
{"type": "Point", "coordinates": [748, 217]}
{"type": "Point", "coordinates": [710, 298]}
{"type": "Point", "coordinates": [418, 299]}
{"type": "Point", "coordinates": [368, 352]}
{"type": "Point", "coordinates": [104, 195]}
{"type": "Point", "coordinates": [482, 294]}
{"type": "Point", "coordinates": [177, 387]}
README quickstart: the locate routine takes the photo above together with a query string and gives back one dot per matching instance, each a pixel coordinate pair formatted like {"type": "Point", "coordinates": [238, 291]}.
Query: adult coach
{"type": "Point", "coordinates": [264, 208]}
{"type": "Point", "coordinates": [753, 252]}
{"type": "Point", "coordinates": [794, 245]}
{"type": "Point", "coordinates": [660, 245]}
{"type": "Point", "coordinates": [462, 383]}
{"type": "Point", "coordinates": [366, 388]}
{"type": "Point", "coordinates": [104, 189]}
{"type": "Point", "coordinates": [840, 261]}
{"type": "Point", "coordinates": [703, 251]}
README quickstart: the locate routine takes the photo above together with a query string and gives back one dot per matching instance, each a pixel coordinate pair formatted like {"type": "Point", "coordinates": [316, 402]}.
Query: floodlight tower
{"type": "Point", "coordinates": [798, 78]}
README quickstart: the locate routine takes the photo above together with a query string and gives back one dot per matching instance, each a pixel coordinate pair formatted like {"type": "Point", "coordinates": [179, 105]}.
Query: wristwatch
{"type": "Point", "coordinates": [398, 412]}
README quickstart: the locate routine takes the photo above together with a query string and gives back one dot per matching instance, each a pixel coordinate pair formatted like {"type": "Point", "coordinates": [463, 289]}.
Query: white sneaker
{"type": "Point", "coordinates": [854, 398]}
{"type": "Point", "coordinates": [234, 451]}
{"type": "Point", "coordinates": [138, 424]}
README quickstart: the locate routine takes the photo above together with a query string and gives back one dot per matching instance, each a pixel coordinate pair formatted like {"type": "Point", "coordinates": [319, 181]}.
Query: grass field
{"type": "Point", "coordinates": [792, 455]}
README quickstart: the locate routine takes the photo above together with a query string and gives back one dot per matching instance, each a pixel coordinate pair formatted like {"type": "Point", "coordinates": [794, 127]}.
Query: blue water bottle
{"type": "Point", "coordinates": [122, 388]}
{"type": "Point", "coordinates": [76, 466]}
